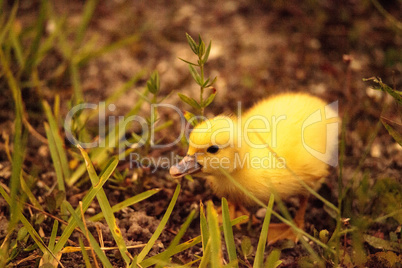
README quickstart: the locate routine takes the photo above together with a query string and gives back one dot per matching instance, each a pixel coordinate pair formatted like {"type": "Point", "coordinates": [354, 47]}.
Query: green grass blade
{"type": "Point", "coordinates": [163, 255]}
{"type": "Point", "coordinates": [282, 219]}
{"type": "Point", "coordinates": [134, 263]}
{"type": "Point", "coordinates": [100, 155]}
{"type": "Point", "coordinates": [18, 153]}
{"type": "Point", "coordinates": [84, 253]}
{"type": "Point", "coordinates": [273, 259]}
{"type": "Point", "coordinates": [47, 258]}
{"type": "Point", "coordinates": [126, 86]}
{"type": "Point", "coordinates": [161, 225]}
{"type": "Point", "coordinates": [30, 195]}
{"type": "Point", "coordinates": [106, 208]}
{"type": "Point", "coordinates": [53, 235]}
{"type": "Point", "coordinates": [9, 24]}
{"type": "Point", "coordinates": [55, 158]}
{"type": "Point", "coordinates": [228, 232]}
{"type": "Point", "coordinates": [203, 227]}
{"type": "Point", "coordinates": [76, 81]}
{"type": "Point", "coordinates": [17, 48]}
{"type": "Point", "coordinates": [86, 18]}
{"type": "Point", "coordinates": [32, 55]}
{"type": "Point", "coordinates": [259, 256]}
{"type": "Point", "coordinates": [391, 131]}
{"type": "Point", "coordinates": [94, 244]}
{"type": "Point", "coordinates": [182, 231]}
{"type": "Point", "coordinates": [85, 204]}
{"type": "Point", "coordinates": [49, 42]}
{"type": "Point", "coordinates": [128, 202]}
{"type": "Point", "coordinates": [35, 236]}
{"type": "Point", "coordinates": [206, 257]}
{"type": "Point", "coordinates": [186, 245]}
{"type": "Point", "coordinates": [215, 236]}
{"type": "Point", "coordinates": [57, 140]}
{"type": "Point", "coordinates": [176, 239]}
{"type": "Point", "coordinates": [109, 48]}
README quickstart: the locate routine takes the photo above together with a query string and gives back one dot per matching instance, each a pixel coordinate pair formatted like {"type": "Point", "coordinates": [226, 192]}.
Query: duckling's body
{"type": "Point", "coordinates": [261, 149]}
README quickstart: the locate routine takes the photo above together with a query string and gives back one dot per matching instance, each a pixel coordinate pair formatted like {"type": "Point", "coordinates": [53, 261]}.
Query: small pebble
{"type": "Point", "coordinates": [375, 150]}
{"type": "Point", "coordinates": [261, 213]}
{"type": "Point", "coordinates": [90, 211]}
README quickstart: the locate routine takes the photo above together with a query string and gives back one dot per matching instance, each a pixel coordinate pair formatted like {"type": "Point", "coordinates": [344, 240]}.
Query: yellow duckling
{"type": "Point", "coordinates": [279, 141]}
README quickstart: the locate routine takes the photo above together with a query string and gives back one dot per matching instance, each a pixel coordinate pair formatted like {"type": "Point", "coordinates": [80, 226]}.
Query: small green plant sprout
{"type": "Point", "coordinates": [202, 53]}
{"type": "Point", "coordinates": [153, 86]}
{"type": "Point", "coordinates": [397, 95]}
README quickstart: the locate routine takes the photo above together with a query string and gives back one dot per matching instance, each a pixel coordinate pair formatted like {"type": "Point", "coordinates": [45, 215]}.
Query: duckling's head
{"type": "Point", "coordinates": [212, 145]}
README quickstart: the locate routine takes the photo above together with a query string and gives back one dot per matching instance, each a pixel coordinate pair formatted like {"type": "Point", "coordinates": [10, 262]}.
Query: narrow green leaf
{"type": "Point", "coordinates": [176, 239]}
{"type": "Point", "coordinates": [228, 232]}
{"type": "Point", "coordinates": [117, 93]}
{"type": "Point", "coordinates": [190, 101]}
{"type": "Point", "coordinates": [259, 256]}
{"type": "Point", "coordinates": [101, 154]}
{"type": "Point", "coordinates": [397, 95]}
{"type": "Point", "coordinates": [49, 42]}
{"type": "Point", "coordinates": [188, 62]}
{"type": "Point", "coordinates": [160, 227]}
{"type": "Point", "coordinates": [84, 253]}
{"type": "Point", "coordinates": [273, 259]}
{"type": "Point", "coordinates": [32, 232]}
{"type": "Point", "coordinates": [382, 244]}
{"type": "Point", "coordinates": [210, 99]}
{"type": "Point", "coordinates": [108, 48]}
{"type": "Point", "coordinates": [89, 9]}
{"type": "Point", "coordinates": [246, 246]}
{"type": "Point", "coordinates": [395, 134]}
{"type": "Point", "coordinates": [110, 167]}
{"type": "Point", "coordinates": [18, 50]}
{"type": "Point", "coordinates": [18, 152]}
{"type": "Point", "coordinates": [163, 126]}
{"type": "Point", "coordinates": [182, 231]}
{"type": "Point", "coordinates": [206, 56]}
{"type": "Point", "coordinates": [191, 118]}
{"type": "Point", "coordinates": [58, 141]}
{"type": "Point", "coordinates": [153, 84]}
{"type": "Point", "coordinates": [55, 158]}
{"type": "Point", "coordinates": [52, 239]}
{"type": "Point", "coordinates": [76, 81]}
{"type": "Point", "coordinates": [180, 248]}
{"type": "Point", "coordinates": [10, 22]}
{"type": "Point", "coordinates": [157, 80]}
{"type": "Point", "coordinates": [206, 256]}
{"type": "Point", "coordinates": [126, 203]}
{"type": "Point", "coordinates": [195, 75]}
{"type": "Point", "coordinates": [203, 227]}
{"type": "Point", "coordinates": [213, 82]}
{"type": "Point", "coordinates": [33, 50]}
{"type": "Point", "coordinates": [30, 195]}
{"type": "Point", "coordinates": [192, 44]}
{"type": "Point", "coordinates": [201, 47]}
{"type": "Point", "coordinates": [166, 254]}
{"type": "Point", "coordinates": [94, 244]}
{"type": "Point", "coordinates": [106, 208]}
{"type": "Point", "coordinates": [282, 219]}
{"type": "Point", "coordinates": [215, 236]}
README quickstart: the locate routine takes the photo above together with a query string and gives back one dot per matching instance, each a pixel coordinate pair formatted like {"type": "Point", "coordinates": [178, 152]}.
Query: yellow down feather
{"type": "Point", "coordinates": [286, 131]}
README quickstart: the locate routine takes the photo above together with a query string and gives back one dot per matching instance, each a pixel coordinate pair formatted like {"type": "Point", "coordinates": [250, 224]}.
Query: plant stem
{"type": "Point", "coordinates": [202, 87]}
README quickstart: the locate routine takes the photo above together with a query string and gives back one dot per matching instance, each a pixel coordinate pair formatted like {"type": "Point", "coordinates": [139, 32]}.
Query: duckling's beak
{"type": "Point", "coordinates": [188, 165]}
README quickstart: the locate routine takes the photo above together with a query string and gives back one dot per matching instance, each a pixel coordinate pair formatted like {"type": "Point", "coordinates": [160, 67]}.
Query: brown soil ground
{"type": "Point", "coordinates": [258, 49]}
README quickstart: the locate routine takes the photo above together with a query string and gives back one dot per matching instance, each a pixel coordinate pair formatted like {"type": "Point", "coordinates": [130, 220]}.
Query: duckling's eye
{"type": "Point", "coordinates": [213, 149]}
